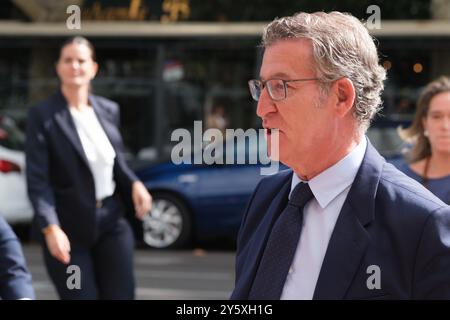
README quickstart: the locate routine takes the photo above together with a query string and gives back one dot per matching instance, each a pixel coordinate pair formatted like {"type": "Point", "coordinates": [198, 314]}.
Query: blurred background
{"type": "Point", "coordinates": [169, 63]}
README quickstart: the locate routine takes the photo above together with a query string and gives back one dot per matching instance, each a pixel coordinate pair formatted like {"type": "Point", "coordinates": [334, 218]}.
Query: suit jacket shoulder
{"type": "Point", "coordinates": [57, 100]}
{"type": "Point", "coordinates": [402, 199]}
{"type": "Point", "coordinates": [106, 104]}
{"type": "Point", "coordinates": [396, 182]}
{"type": "Point", "coordinates": [46, 108]}
{"type": "Point", "coordinates": [109, 108]}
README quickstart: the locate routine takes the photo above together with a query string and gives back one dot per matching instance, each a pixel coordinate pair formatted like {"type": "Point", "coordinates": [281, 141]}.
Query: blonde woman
{"type": "Point", "coordinates": [428, 161]}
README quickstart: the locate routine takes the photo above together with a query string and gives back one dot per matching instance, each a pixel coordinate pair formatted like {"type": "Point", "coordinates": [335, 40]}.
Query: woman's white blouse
{"type": "Point", "coordinates": [98, 149]}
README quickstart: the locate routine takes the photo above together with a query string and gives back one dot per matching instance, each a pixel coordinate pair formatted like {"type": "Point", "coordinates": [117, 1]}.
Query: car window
{"type": "Point", "coordinates": [11, 136]}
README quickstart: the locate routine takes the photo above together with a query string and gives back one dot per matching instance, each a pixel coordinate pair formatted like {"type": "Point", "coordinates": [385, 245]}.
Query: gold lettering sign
{"type": "Point", "coordinates": [134, 12]}
{"type": "Point", "coordinates": [174, 10]}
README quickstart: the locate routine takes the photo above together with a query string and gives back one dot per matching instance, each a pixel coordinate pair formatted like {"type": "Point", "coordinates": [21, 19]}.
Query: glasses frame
{"type": "Point", "coordinates": [262, 84]}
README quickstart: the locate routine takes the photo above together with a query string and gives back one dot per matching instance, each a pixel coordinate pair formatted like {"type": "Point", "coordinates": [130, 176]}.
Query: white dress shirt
{"type": "Point", "coordinates": [330, 189]}
{"type": "Point", "coordinates": [97, 148]}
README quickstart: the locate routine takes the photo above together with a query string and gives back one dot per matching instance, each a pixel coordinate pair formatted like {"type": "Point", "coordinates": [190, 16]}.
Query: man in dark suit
{"type": "Point", "coordinates": [15, 280]}
{"type": "Point", "coordinates": [342, 224]}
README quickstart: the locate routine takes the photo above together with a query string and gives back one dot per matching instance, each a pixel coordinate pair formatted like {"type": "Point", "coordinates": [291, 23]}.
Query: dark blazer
{"type": "Point", "coordinates": [60, 183]}
{"type": "Point", "coordinates": [15, 280]}
{"type": "Point", "coordinates": [388, 220]}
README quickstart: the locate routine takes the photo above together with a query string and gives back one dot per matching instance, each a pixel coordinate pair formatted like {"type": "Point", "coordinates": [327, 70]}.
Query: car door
{"type": "Point", "coordinates": [14, 203]}
{"type": "Point", "coordinates": [224, 189]}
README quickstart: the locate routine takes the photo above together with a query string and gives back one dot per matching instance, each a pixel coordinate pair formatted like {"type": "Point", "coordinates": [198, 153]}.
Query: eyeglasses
{"type": "Point", "coordinates": [275, 87]}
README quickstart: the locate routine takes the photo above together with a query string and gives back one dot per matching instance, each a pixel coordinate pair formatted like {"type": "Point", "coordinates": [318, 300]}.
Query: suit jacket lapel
{"type": "Point", "coordinates": [342, 259]}
{"type": "Point", "coordinates": [106, 121]}
{"type": "Point", "coordinates": [64, 120]}
{"type": "Point", "coordinates": [349, 239]}
{"type": "Point", "coordinates": [261, 234]}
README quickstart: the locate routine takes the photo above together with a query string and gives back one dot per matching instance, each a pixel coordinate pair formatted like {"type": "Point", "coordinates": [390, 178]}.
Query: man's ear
{"type": "Point", "coordinates": [345, 94]}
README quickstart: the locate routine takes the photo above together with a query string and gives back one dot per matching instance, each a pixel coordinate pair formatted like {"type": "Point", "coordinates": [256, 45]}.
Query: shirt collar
{"type": "Point", "coordinates": [328, 184]}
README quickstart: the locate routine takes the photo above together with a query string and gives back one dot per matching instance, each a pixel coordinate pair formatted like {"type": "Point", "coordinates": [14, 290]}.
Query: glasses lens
{"type": "Point", "coordinates": [255, 89]}
{"type": "Point", "coordinates": [276, 89]}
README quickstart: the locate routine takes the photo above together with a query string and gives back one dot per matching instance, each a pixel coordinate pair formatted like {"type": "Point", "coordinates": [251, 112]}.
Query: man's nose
{"type": "Point", "coordinates": [265, 104]}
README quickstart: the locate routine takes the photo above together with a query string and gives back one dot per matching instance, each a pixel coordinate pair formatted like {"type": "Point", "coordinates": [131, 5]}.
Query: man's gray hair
{"type": "Point", "coordinates": [342, 47]}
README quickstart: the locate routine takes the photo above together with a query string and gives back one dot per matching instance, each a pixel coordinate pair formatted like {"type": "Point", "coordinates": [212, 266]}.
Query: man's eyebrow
{"type": "Point", "coordinates": [278, 75]}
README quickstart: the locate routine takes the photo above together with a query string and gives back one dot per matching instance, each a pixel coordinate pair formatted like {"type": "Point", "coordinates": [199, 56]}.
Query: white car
{"type": "Point", "coordinates": [14, 203]}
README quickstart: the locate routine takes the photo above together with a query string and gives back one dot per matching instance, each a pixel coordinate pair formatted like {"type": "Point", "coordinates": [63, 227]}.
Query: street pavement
{"type": "Point", "coordinates": [195, 274]}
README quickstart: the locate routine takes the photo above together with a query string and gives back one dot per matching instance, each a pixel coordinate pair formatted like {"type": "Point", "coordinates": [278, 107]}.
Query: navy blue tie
{"type": "Point", "coordinates": [280, 248]}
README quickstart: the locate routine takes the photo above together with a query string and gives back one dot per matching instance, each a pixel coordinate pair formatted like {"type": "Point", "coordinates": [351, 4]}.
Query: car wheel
{"type": "Point", "coordinates": [168, 226]}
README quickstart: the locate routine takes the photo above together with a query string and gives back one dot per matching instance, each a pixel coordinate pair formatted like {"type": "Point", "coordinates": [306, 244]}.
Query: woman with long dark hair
{"type": "Point", "coordinates": [428, 161]}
